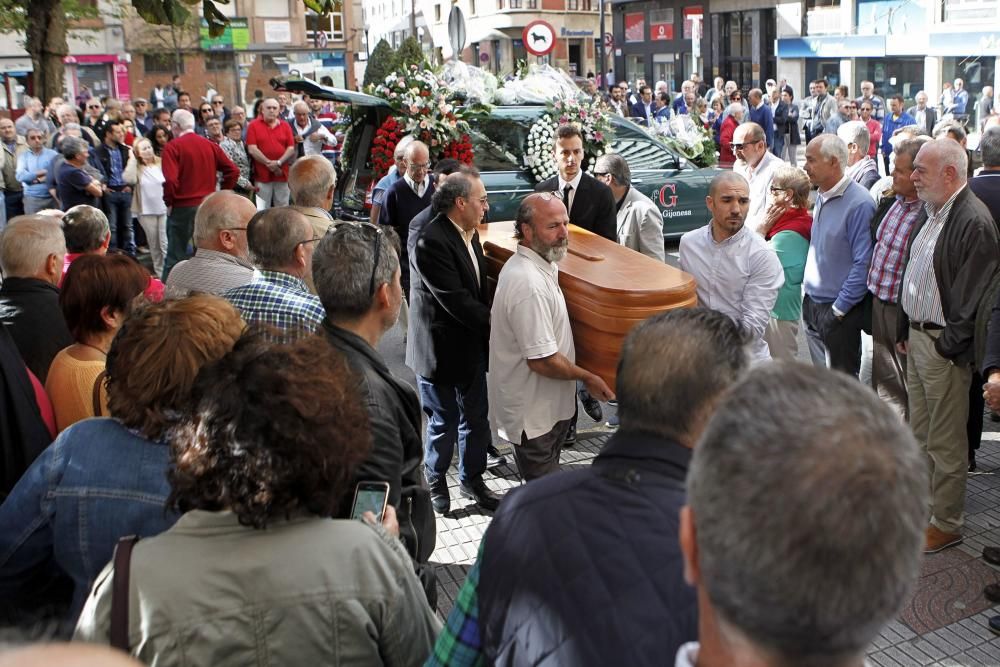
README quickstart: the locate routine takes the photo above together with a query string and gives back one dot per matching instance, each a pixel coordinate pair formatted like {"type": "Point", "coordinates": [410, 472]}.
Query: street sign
{"type": "Point", "coordinates": [484, 57]}
{"type": "Point", "coordinates": [609, 40]}
{"type": "Point", "coordinates": [321, 39]}
{"type": "Point", "coordinates": [456, 31]}
{"type": "Point", "coordinates": [539, 38]}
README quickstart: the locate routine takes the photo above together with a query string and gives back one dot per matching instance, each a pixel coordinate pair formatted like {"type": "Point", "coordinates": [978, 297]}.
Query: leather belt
{"type": "Point", "coordinates": [117, 188]}
{"type": "Point", "coordinates": [926, 326]}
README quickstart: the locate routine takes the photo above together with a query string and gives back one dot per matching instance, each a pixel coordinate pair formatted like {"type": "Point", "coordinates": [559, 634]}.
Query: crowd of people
{"type": "Point", "coordinates": [185, 450]}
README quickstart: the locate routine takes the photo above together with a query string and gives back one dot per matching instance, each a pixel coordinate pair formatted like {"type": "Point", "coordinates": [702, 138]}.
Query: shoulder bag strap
{"type": "Point", "coordinates": [119, 592]}
{"type": "Point", "coordinates": [97, 392]}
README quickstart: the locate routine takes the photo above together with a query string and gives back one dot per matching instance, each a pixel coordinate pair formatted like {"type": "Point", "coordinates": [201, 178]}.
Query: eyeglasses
{"type": "Point", "coordinates": [421, 166]}
{"type": "Point", "coordinates": [312, 240]}
{"type": "Point", "coordinates": [737, 147]}
{"type": "Point", "coordinates": [218, 102]}
{"type": "Point", "coordinates": [208, 110]}
{"type": "Point", "coordinates": [234, 229]}
{"type": "Point", "coordinates": [93, 106]}
{"type": "Point", "coordinates": [776, 190]}
{"type": "Point", "coordinates": [377, 251]}
{"type": "Point", "coordinates": [599, 174]}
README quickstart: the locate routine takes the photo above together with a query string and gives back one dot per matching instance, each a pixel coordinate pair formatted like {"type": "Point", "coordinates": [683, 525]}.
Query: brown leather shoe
{"type": "Point", "coordinates": [938, 540]}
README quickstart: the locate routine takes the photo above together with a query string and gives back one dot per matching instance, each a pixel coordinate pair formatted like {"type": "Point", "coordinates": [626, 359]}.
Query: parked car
{"type": "Point", "coordinates": [499, 142]}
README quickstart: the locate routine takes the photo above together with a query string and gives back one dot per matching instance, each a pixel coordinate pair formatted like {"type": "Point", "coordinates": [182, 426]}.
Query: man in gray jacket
{"type": "Point", "coordinates": [640, 226]}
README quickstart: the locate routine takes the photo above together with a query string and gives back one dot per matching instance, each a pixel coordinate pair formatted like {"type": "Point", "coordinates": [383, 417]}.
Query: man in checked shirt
{"type": "Point", "coordinates": [894, 219]}
{"type": "Point", "coordinates": [951, 260]}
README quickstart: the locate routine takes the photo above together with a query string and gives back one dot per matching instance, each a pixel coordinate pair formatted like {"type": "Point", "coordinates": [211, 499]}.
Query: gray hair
{"type": "Point", "coordinates": [183, 118]}
{"type": "Point", "coordinates": [273, 235]}
{"type": "Point", "coordinates": [310, 179]}
{"type": "Point", "coordinates": [614, 164]}
{"type": "Point", "coordinates": [951, 154]}
{"type": "Point", "coordinates": [300, 105]}
{"type": "Point", "coordinates": [674, 366]}
{"type": "Point", "coordinates": [910, 146]}
{"type": "Point", "coordinates": [70, 147]}
{"type": "Point", "coordinates": [213, 216]}
{"type": "Point", "coordinates": [989, 146]}
{"type": "Point", "coordinates": [855, 132]}
{"type": "Point", "coordinates": [832, 147]}
{"type": "Point", "coordinates": [85, 228]}
{"type": "Point", "coordinates": [399, 151]}
{"type": "Point", "coordinates": [26, 244]}
{"type": "Point", "coordinates": [802, 477]}
{"type": "Point", "coordinates": [949, 127]}
{"type": "Point", "coordinates": [734, 108]}
{"type": "Point", "coordinates": [457, 185]}
{"type": "Point", "coordinates": [342, 267]}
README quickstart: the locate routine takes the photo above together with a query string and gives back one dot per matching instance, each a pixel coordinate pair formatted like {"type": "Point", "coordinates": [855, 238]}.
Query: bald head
{"type": "Point", "coordinates": [312, 181]}
{"type": "Point", "coordinates": [725, 179]}
{"type": "Point", "coordinates": [418, 160]}
{"type": "Point", "coordinates": [223, 214]}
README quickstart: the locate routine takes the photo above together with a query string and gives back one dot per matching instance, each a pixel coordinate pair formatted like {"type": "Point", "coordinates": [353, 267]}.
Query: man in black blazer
{"type": "Point", "coordinates": [591, 205]}
{"type": "Point", "coordinates": [589, 202]}
{"type": "Point", "coordinates": [449, 333]}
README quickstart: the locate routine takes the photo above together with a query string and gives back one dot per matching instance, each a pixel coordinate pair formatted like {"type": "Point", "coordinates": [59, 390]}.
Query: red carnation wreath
{"type": "Point", "coordinates": [384, 145]}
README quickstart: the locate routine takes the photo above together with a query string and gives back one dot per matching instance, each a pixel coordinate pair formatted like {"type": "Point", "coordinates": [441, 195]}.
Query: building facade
{"type": "Point", "coordinates": [659, 41]}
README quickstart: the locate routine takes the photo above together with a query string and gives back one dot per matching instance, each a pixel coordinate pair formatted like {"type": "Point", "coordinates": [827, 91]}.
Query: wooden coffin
{"type": "Point", "coordinates": [608, 290]}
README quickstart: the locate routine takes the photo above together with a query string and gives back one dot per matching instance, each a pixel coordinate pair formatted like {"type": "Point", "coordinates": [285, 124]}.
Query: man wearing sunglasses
{"type": "Point", "coordinates": [449, 334]}
{"type": "Point", "coordinates": [757, 165]}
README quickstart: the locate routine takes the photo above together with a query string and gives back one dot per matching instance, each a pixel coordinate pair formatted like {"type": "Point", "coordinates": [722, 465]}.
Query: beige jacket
{"type": "Point", "coordinates": [308, 591]}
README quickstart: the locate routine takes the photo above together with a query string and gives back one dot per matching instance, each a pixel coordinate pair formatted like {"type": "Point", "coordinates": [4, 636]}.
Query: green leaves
{"type": "Point", "coordinates": [174, 12]}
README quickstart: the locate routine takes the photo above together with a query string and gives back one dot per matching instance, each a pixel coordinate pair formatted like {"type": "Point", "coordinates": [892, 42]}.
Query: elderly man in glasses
{"type": "Point", "coordinates": [278, 299]}
{"type": "Point", "coordinates": [407, 197]}
{"type": "Point", "coordinates": [757, 165]}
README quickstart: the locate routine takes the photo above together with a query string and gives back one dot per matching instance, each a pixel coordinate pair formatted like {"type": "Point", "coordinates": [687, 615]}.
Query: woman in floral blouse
{"type": "Point", "coordinates": [233, 146]}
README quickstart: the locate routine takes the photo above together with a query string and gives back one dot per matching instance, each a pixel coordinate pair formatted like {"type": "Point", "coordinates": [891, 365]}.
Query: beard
{"type": "Point", "coordinates": [551, 253]}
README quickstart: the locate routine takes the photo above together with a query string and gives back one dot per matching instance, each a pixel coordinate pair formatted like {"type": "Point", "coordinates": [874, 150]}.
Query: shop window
{"type": "Point", "coordinates": [332, 25]}
{"type": "Point", "coordinates": [162, 63]}
{"type": "Point", "coordinates": [573, 5]}
{"type": "Point", "coordinates": [532, 4]}
{"type": "Point", "coordinates": [968, 11]}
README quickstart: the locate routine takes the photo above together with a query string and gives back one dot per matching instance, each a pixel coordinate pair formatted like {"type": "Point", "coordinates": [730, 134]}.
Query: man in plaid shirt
{"type": "Point", "coordinates": [282, 242]}
{"type": "Point", "coordinates": [892, 224]}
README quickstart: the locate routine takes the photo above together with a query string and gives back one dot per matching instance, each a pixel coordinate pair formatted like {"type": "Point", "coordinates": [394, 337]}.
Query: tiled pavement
{"type": "Point", "coordinates": [944, 624]}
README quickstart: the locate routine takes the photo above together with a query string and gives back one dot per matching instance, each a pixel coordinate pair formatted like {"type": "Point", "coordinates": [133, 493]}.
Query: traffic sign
{"type": "Point", "coordinates": [539, 38]}
{"type": "Point", "coordinates": [456, 31]}
{"type": "Point", "coordinates": [609, 40]}
{"type": "Point", "coordinates": [321, 39]}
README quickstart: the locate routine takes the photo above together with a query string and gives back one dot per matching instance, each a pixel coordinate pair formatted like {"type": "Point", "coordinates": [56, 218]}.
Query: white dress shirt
{"type": "Point", "coordinates": [575, 183]}
{"type": "Point", "coordinates": [467, 236]}
{"type": "Point", "coordinates": [759, 178]}
{"type": "Point", "coordinates": [739, 277]}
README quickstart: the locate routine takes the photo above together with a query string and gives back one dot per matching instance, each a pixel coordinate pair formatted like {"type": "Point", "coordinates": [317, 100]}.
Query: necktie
{"type": "Point", "coordinates": [566, 191]}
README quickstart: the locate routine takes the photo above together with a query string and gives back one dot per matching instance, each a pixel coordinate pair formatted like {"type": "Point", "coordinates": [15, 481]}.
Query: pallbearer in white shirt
{"type": "Point", "coordinates": [736, 272]}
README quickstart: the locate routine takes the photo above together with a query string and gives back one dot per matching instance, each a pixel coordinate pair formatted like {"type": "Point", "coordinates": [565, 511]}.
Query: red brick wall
{"type": "Point", "coordinates": [195, 79]}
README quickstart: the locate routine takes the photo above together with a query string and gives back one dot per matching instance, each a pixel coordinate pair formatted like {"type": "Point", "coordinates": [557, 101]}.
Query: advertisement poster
{"type": "Point", "coordinates": [635, 27]}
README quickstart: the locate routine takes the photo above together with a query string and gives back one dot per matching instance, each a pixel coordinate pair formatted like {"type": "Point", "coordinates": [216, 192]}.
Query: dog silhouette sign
{"type": "Point", "coordinates": [539, 38]}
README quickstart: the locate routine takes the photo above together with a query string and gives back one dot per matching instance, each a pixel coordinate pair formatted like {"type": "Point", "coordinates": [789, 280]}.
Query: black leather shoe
{"type": "Point", "coordinates": [972, 464]}
{"type": "Point", "coordinates": [992, 592]}
{"type": "Point", "coordinates": [440, 498]}
{"type": "Point", "coordinates": [994, 625]}
{"type": "Point", "coordinates": [991, 555]}
{"type": "Point", "coordinates": [570, 436]}
{"type": "Point", "coordinates": [494, 459]}
{"type": "Point", "coordinates": [478, 491]}
{"type": "Point", "coordinates": [590, 405]}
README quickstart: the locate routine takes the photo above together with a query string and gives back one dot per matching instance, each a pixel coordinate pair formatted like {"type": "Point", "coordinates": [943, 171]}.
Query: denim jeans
{"type": "Point", "coordinates": [14, 204]}
{"type": "Point", "coordinates": [456, 413]}
{"type": "Point", "coordinates": [119, 208]}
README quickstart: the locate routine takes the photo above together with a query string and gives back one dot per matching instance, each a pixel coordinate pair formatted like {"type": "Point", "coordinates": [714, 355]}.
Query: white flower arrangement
{"type": "Point", "coordinates": [587, 115]}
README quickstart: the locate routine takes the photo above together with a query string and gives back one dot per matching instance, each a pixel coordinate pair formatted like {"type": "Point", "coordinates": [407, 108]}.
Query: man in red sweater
{"type": "Point", "coordinates": [271, 144]}
{"type": "Point", "coordinates": [190, 163]}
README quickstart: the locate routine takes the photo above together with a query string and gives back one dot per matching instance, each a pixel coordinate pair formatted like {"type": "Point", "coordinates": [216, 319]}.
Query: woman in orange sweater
{"type": "Point", "coordinates": [95, 297]}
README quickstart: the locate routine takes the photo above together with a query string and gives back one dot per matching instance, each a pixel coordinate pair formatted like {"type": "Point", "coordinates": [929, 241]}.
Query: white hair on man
{"type": "Point", "coordinates": [26, 244]}
{"type": "Point", "coordinates": [855, 132]}
{"type": "Point", "coordinates": [183, 119]}
{"type": "Point", "coordinates": [832, 147]}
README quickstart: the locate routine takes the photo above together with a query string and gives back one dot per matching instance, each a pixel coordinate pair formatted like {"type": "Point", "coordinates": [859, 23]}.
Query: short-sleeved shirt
{"type": "Point", "coordinates": [529, 321]}
{"type": "Point", "coordinates": [272, 142]}
{"type": "Point", "coordinates": [72, 185]}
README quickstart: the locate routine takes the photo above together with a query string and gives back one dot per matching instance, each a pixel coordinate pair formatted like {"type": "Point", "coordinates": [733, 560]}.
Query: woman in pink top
{"type": "Point", "coordinates": [874, 127]}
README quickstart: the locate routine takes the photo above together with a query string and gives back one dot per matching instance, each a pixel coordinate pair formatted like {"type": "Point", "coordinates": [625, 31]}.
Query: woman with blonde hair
{"type": "Point", "coordinates": [105, 478]}
{"type": "Point", "coordinates": [145, 176]}
{"type": "Point", "coordinates": [787, 227]}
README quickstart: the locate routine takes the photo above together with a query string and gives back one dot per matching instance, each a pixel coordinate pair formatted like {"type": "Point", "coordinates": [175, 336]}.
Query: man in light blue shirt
{"type": "Point", "coordinates": [32, 170]}
{"type": "Point", "coordinates": [840, 251]}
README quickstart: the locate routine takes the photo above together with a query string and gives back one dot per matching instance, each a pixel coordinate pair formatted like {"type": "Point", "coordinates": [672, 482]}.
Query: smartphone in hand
{"type": "Point", "coordinates": [370, 497]}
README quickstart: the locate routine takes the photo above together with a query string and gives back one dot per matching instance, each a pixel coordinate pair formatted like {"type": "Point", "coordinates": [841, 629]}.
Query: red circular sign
{"type": "Point", "coordinates": [539, 38]}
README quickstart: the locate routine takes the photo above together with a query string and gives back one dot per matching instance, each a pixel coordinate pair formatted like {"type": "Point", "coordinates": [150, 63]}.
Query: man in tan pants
{"type": "Point", "coordinates": [952, 258]}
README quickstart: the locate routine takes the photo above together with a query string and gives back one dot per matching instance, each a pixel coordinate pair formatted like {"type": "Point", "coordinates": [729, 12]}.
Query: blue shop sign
{"type": "Point", "coordinates": [964, 44]}
{"type": "Point", "coordinates": [845, 46]}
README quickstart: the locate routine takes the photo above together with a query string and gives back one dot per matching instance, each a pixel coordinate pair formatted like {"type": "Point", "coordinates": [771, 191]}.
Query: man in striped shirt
{"type": "Point", "coordinates": [952, 259]}
{"type": "Point", "coordinates": [894, 220]}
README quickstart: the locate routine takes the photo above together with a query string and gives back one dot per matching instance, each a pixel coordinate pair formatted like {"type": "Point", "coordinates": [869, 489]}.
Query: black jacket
{"type": "Point", "coordinates": [786, 120]}
{"type": "Point", "coordinates": [23, 434]}
{"type": "Point", "coordinates": [593, 206]}
{"type": "Point", "coordinates": [29, 310]}
{"type": "Point", "coordinates": [449, 324]}
{"type": "Point", "coordinates": [965, 260]}
{"type": "Point", "coordinates": [575, 565]}
{"type": "Point", "coordinates": [397, 447]}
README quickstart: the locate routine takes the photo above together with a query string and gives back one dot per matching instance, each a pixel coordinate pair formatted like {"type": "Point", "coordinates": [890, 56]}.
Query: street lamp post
{"type": "Point", "coordinates": [602, 56]}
